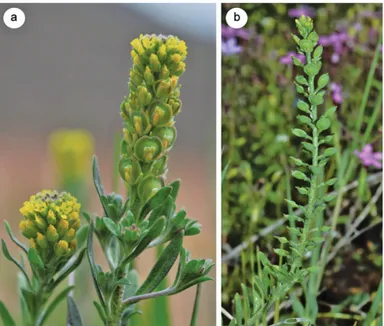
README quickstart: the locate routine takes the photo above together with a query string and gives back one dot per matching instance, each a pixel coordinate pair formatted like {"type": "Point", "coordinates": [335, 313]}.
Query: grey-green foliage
{"type": "Point", "coordinates": [272, 282]}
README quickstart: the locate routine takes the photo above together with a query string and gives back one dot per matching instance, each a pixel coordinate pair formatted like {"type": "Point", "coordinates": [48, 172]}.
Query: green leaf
{"type": "Point", "coordinates": [156, 200]}
{"type": "Point", "coordinates": [51, 307]}
{"type": "Point", "coordinates": [175, 185]}
{"type": "Point", "coordinates": [297, 161]}
{"type": "Point", "coordinates": [308, 147]}
{"type": "Point", "coordinates": [163, 265]}
{"type": "Point", "coordinates": [100, 311]}
{"type": "Point", "coordinates": [10, 258]}
{"type": "Point", "coordinates": [111, 226]}
{"type": "Point", "coordinates": [34, 258]}
{"type": "Point", "coordinates": [302, 190]}
{"type": "Point", "coordinates": [331, 182]}
{"type": "Point", "coordinates": [91, 261]}
{"type": "Point", "coordinates": [296, 61]}
{"type": "Point", "coordinates": [313, 37]}
{"type": "Point", "coordinates": [82, 235]}
{"type": "Point", "coordinates": [330, 112]}
{"type": "Point", "coordinates": [281, 252]}
{"type": "Point", "coordinates": [322, 81]}
{"type": "Point", "coordinates": [14, 239]}
{"type": "Point", "coordinates": [304, 119]}
{"type": "Point", "coordinates": [312, 69]}
{"type": "Point", "coordinates": [301, 80]}
{"type": "Point", "coordinates": [299, 175]}
{"type": "Point", "coordinates": [303, 106]}
{"type": "Point", "coordinates": [300, 133]}
{"type": "Point", "coordinates": [6, 316]}
{"type": "Point", "coordinates": [96, 177]}
{"type": "Point", "coordinates": [30, 300]}
{"type": "Point", "coordinates": [318, 52]}
{"type": "Point", "coordinates": [282, 240]}
{"type": "Point", "coordinates": [329, 197]}
{"type": "Point", "coordinates": [238, 310]}
{"type": "Point", "coordinates": [299, 89]}
{"type": "Point", "coordinates": [316, 99]}
{"type": "Point", "coordinates": [69, 267]}
{"type": "Point", "coordinates": [291, 203]}
{"type": "Point", "coordinates": [323, 124]}
{"type": "Point", "coordinates": [87, 217]}
{"type": "Point", "coordinates": [330, 151]}
{"type": "Point", "coordinates": [74, 317]}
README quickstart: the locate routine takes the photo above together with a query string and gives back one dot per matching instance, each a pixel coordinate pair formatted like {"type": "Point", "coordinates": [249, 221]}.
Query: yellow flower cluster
{"type": "Point", "coordinates": [149, 111]}
{"type": "Point", "coordinates": [50, 222]}
{"type": "Point", "coordinates": [72, 151]}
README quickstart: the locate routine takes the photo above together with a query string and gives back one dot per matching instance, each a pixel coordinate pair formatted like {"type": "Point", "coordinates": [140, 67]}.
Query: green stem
{"type": "Point", "coordinates": [116, 301]}
{"type": "Point", "coordinates": [196, 305]}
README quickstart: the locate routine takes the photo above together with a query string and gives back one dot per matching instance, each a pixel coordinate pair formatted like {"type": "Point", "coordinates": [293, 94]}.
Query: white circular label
{"type": "Point", "coordinates": [14, 18]}
{"type": "Point", "coordinates": [236, 18]}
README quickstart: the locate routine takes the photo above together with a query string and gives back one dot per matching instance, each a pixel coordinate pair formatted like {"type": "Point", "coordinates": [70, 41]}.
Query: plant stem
{"type": "Point", "coordinates": [196, 305]}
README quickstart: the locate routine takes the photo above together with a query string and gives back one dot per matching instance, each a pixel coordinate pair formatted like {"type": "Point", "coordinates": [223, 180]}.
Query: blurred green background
{"type": "Point", "coordinates": [68, 67]}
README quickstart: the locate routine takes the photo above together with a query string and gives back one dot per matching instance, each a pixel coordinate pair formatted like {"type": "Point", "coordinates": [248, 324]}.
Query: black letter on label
{"type": "Point", "coordinates": [237, 17]}
{"type": "Point", "coordinates": [14, 18]}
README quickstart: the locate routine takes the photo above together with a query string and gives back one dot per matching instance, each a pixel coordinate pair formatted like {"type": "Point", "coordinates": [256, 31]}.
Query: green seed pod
{"type": "Point", "coordinates": [140, 123]}
{"type": "Point", "coordinates": [130, 170]}
{"type": "Point", "coordinates": [149, 186]}
{"type": "Point", "coordinates": [167, 135]}
{"type": "Point", "coordinates": [148, 149]}
{"type": "Point", "coordinates": [160, 166]}
{"type": "Point", "coordinates": [161, 115]}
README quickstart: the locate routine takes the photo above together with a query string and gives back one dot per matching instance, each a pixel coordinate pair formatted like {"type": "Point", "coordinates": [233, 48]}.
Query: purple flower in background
{"type": "Point", "coordinates": [370, 158]}
{"type": "Point", "coordinates": [229, 32]}
{"type": "Point", "coordinates": [302, 10]}
{"type": "Point", "coordinates": [337, 93]}
{"type": "Point", "coordinates": [287, 59]}
{"type": "Point", "coordinates": [339, 42]}
{"type": "Point", "coordinates": [230, 47]}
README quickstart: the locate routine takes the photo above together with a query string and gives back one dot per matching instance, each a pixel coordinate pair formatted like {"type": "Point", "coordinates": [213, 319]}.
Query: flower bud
{"type": "Point", "coordinates": [75, 223]}
{"type": "Point", "coordinates": [163, 89]}
{"type": "Point", "coordinates": [41, 241]}
{"type": "Point", "coordinates": [175, 105]}
{"type": "Point", "coordinates": [130, 170]}
{"type": "Point", "coordinates": [52, 234]}
{"type": "Point", "coordinates": [61, 248]}
{"type": "Point", "coordinates": [137, 46]}
{"type": "Point", "coordinates": [136, 78]}
{"type": "Point", "coordinates": [73, 245]}
{"type": "Point", "coordinates": [149, 186]}
{"type": "Point", "coordinates": [148, 148]}
{"type": "Point", "coordinates": [167, 135]}
{"type": "Point", "coordinates": [28, 229]}
{"type": "Point", "coordinates": [180, 68]}
{"type": "Point", "coordinates": [63, 227]}
{"type": "Point", "coordinates": [70, 235]}
{"type": "Point", "coordinates": [154, 63]}
{"type": "Point", "coordinates": [144, 96]}
{"type": "Point", "coordinates": [51, 217]}
{"type": "Point", "coordinates": [174, 80]}
{"type": "Point", "coordinates": [164, 73]}
{"type": "Point", "coordinates": [148, 76]}
{"type": "Point", "coordinates": [162, 53]}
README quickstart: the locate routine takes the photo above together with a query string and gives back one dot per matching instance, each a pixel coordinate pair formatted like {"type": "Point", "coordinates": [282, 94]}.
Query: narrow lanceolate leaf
{"type": "Point", "coordinates": [175, 185]}
{"type": "Point", "coordinates": [163, 265]}
{"type": "Point", "coordinates": [96, 177]}
{"type": "Point", "coordinates": [155, 201]}
{"type": "Point", "coordinates": [92, 265]}
{"type": "Point", "coordinates": [35, 259]}
{"type": "Point", "coordinates": [10, 258]}
{"type": "Point", "coordinates": [14, 239]}
{"type": "Point", "coordinates": [74, 318]}
{"type": "Point", "coordinates": [6, 316]}
{"type": "Point", "coordinates": [60, 297]}
{"type": "Point", "coordinates": [111, 226]}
